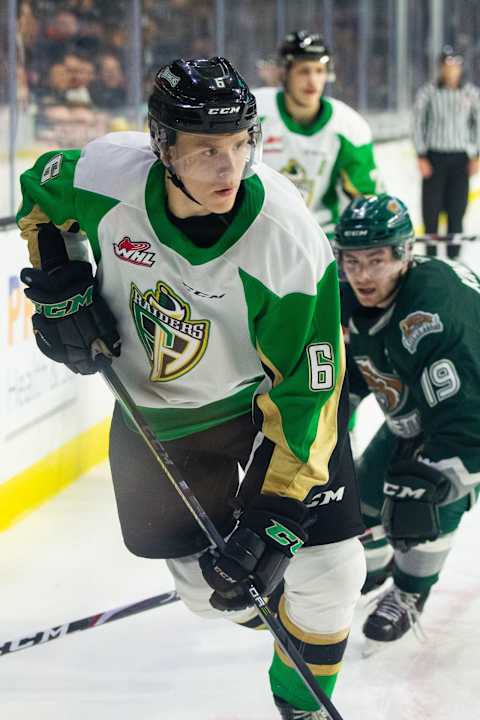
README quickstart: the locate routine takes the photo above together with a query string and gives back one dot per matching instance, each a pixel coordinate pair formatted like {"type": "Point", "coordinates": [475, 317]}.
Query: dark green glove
{"type": "Point", "coordinates": [413, 491]}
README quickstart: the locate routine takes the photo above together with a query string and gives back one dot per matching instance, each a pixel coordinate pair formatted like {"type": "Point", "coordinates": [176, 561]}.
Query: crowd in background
{"type": "Point", "coordinates": [82, 70]}
{"type": "Point", "coordinates": [74, 57]}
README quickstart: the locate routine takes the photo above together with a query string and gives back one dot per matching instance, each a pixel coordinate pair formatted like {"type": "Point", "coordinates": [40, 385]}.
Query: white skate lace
{"type": "Point", "coordinates": [394, 602]}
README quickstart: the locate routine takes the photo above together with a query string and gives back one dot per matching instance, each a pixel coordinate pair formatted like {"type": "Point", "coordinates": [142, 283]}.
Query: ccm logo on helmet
{"type": "Point", "coordinates": [224, 111]}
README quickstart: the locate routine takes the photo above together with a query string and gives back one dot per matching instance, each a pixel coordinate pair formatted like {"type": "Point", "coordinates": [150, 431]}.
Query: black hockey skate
{"type": "Point", "coordinates": [375, 580]}
{"type": "Point", "coordinates": [287, 712]}
{"type": "Point", "coordinates": [395, 613]}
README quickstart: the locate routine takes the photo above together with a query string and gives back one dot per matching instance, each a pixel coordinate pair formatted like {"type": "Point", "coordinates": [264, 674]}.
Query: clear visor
{"type": "Point", "coordinates": [217, 159]}
{"type": "Point", "coordinates": [358, 265]}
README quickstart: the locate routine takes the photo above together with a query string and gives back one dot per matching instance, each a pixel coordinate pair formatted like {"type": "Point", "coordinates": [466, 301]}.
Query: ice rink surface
{"type": "Point", "coordinates": [67, 561]}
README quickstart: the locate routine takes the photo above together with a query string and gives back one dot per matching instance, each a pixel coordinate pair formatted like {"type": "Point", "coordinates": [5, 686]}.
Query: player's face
{"type": "Point", "coordinates": [211, 166]}
{"type": "Point", "coordinates": [372, 274]}
{"type": "Point", "coordinates": [306, 81]}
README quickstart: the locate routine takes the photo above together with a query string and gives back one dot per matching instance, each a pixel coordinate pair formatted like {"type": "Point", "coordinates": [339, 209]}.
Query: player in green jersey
{"type": "Point", "coordinates": [321, 144]}
{"type": "Point", "coordinates": [216, 295]}
{"type": "Point", "coordinates": [415, 344]}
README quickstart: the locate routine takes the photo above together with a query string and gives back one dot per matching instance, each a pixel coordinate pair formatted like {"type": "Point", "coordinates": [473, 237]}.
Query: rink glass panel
{"type": "Point", "coordinates": [382, 51]}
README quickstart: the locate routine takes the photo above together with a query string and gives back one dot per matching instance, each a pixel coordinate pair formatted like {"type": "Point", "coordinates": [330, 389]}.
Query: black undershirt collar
{"type": "Point", "coordinates": [205, 230]}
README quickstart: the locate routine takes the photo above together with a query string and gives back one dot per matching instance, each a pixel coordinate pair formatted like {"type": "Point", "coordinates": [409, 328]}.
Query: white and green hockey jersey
{"type": "Point", "coordinates": [335, 152]}
{"type": "Point", "coordinates": [206, 331]}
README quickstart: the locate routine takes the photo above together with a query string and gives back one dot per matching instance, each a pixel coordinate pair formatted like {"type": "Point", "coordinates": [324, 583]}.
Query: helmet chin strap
{"type": "Point", "coordinates": [179, 183]}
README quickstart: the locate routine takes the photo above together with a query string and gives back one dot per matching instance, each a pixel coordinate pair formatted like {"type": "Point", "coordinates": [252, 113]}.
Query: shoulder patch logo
{"type": "Point", "coordinates": [174, 343]}
{"type": "Point", "coordinates": [51, 169]}
{"type": "Point", "coordinates": [416, 325]}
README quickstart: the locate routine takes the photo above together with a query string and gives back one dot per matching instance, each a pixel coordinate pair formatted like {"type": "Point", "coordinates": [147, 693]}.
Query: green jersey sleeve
{"type": "Point", "coordinates": [47, 196]}
{"type": "Point", "coordinates": [438, 348]}
{"type": "Point", "coordinates": [356, 164]}
{"type": "Point", "coordinates": [299, 341]}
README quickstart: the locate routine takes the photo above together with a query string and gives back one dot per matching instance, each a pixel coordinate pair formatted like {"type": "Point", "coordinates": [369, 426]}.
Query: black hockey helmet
{"type": "Point", "coordinates": [302, 45]}
{"type": "Point", "coordinates": [201, 96]}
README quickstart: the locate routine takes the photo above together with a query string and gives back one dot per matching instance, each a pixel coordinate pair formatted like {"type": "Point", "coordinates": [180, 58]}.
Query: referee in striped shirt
{"type": "Point", "coordinates": [447, 141]}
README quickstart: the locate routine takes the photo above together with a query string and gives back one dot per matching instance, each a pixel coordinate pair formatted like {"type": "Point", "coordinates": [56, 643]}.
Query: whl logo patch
{"type": "Point", "coordinates": [134, 252]}
{"type": "Point", "coordinates": [416, 325]}
{"type": "Point", "coordinates": [174, 343]}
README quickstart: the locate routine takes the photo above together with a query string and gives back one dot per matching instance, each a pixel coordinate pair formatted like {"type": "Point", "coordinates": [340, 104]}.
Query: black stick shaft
{"type": "Point", "coordinates": [59, 631]}
{"type": "Point", "coordinates": [190, 500]}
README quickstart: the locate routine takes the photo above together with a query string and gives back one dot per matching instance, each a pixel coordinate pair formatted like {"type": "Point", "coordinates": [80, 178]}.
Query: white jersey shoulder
{"type": "Point", "coordinates": [117, 166]}
{"type": "Point", "coordinates": [349, 123]}
{"type": "Point", "coordinates": [266, 98]}
{"type": "Point", "coordinates": [295, 249]}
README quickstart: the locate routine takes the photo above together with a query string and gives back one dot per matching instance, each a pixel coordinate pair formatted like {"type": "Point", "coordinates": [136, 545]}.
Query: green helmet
{"type": "Point", "coordinates": [375, 221]}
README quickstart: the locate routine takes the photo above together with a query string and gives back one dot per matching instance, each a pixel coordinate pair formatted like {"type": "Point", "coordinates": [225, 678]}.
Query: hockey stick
{"type": "Point", "coordinates": [59, 631]}
{"type": "Point", "coordinates": [211, 532]}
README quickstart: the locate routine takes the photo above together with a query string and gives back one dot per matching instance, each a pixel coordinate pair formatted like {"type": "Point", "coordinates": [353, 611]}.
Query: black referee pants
{"type": "Point", "coordinates": [446, 189]}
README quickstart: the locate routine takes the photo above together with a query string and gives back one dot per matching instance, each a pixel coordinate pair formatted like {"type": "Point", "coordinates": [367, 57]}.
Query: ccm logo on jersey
{"type": "Point", "coordinates": [224, 111]}
{"type": "Point", "coordinates": [200, 293]}
{"type": "Point", "coordinates": [326, 497]}
{"type": "Point", "coordinates": [134, 252]}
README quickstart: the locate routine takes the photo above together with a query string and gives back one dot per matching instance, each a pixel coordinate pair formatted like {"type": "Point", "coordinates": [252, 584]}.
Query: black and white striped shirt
{"type": "Point", "coordinates": [447, 120]}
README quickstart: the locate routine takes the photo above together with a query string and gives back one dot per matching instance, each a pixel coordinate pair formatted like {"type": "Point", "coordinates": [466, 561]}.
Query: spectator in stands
{"type": "Point", "coordinates": [57, 85]}
{"type": "Point", "coordinates": [447, 141]}
{"type": "Point", "coordinates": [80, 73]}
{"type": "Point", "coordinates": [59, 33]}
{"type": "Point", "coordinates": [109, 91]}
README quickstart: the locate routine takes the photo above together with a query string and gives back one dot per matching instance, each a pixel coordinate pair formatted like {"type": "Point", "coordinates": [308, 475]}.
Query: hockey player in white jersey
{"type": "Point", "coordinates": [321, 144]}
{"type": "Point", "coordinates": [216, 296]}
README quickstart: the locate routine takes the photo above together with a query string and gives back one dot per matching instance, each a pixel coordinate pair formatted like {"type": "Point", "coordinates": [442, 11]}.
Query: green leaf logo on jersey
{"type": "Point", "coordinates": [174, 343]}
{"type": "Point", "coordinates": [297, 174]}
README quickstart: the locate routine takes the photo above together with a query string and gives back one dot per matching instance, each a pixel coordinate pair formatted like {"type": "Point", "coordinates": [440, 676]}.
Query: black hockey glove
{"type": "Point", "coordinates": [268, 535]}
{"type": "Point", "coordinates": [413, 491]}
{"type": "Point", "coordinates": [69, 315]}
